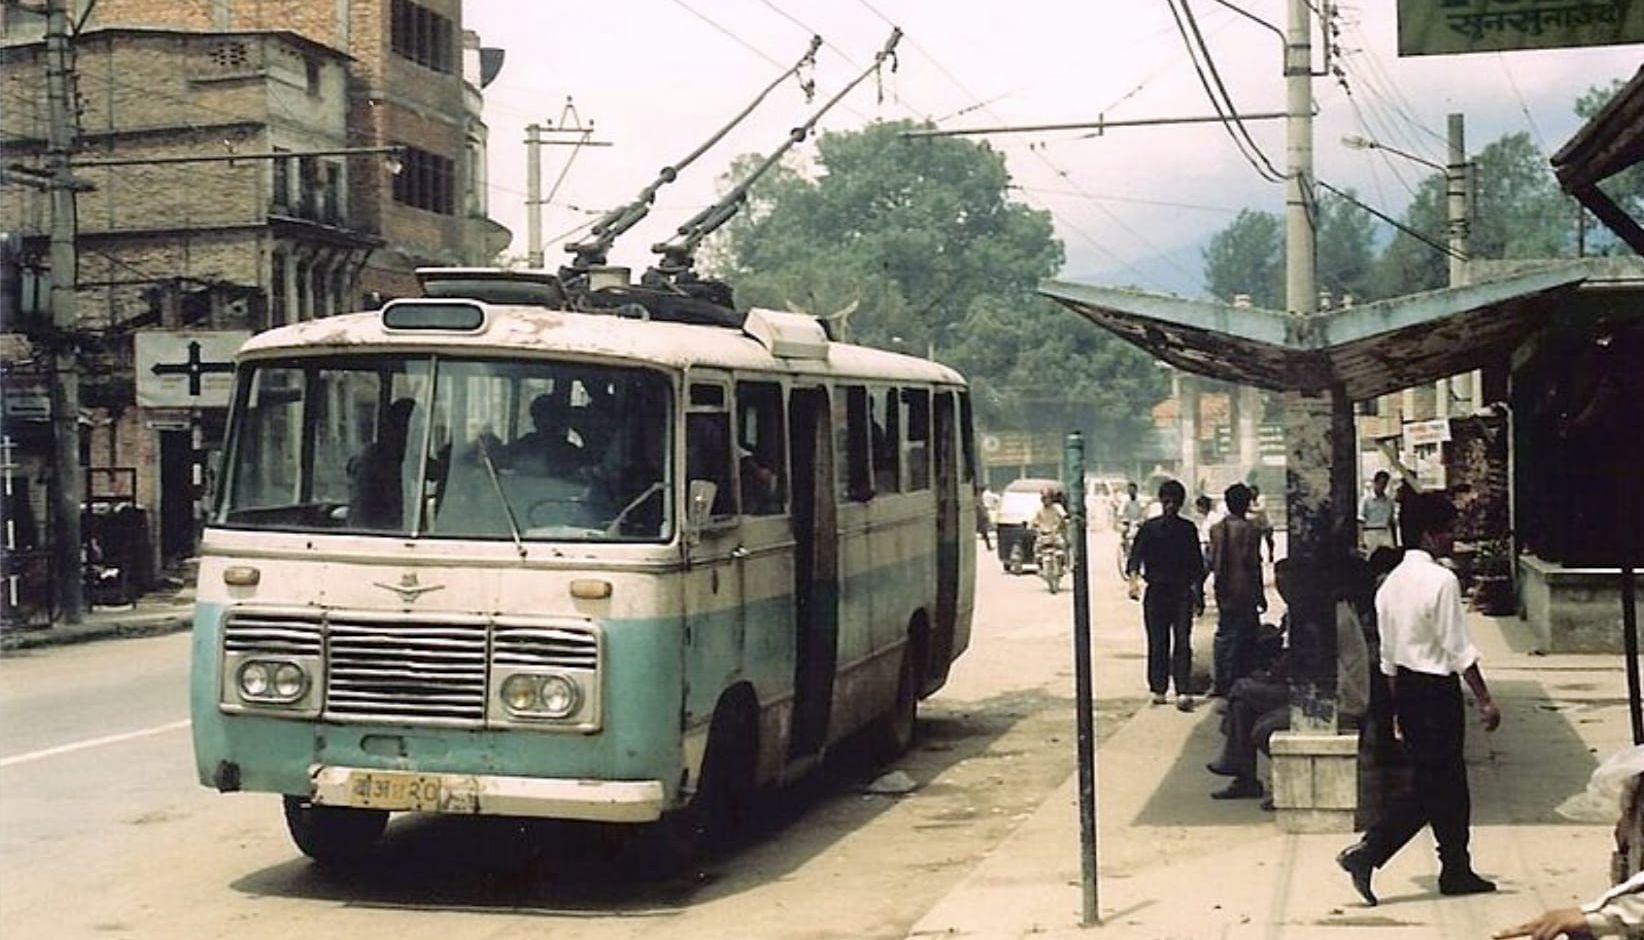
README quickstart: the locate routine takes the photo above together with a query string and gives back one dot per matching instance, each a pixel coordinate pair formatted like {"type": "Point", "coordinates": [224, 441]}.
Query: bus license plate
{"type": "Point", "coordinates": [387, 790]}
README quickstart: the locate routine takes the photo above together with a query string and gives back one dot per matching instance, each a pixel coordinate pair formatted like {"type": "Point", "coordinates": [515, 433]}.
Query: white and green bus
{"type": "Point", "coordinates": [479, 557]}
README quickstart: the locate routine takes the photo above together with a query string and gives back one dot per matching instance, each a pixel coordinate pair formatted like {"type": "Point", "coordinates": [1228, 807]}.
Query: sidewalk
{"type": "Point", "coordinates": [153, 614]}
{"type": "Point", "coordinates": [1175, 864]}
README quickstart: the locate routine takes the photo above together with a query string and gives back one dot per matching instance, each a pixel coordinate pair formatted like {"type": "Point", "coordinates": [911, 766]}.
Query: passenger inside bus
{"type": "Point", "coordinates": [548, 449]}
{"type": "Point", "coordinates": [376, 497]}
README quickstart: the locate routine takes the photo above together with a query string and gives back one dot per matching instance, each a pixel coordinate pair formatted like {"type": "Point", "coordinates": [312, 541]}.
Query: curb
{"type": "Point", "coordinates": [136, 626]}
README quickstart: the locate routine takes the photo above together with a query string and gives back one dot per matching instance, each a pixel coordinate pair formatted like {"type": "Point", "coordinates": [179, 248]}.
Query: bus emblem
{"type": "Point", "coordinates": [408, 589]}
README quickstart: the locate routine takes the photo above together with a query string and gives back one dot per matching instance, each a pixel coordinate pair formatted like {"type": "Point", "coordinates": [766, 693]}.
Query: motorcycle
{"type": "Point", "coordinates": [1050, 557]}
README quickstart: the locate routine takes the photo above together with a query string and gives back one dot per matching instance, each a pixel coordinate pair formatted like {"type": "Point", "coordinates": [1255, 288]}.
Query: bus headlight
{"type": "Point", "coordinates": [536, 696]}
{"type": "Point", "coordinates": [560, 696]}
{"type": "Point", "coordinates": [290, 682]}
{"type": "Point", "coordinates": [255, 678]}
{"type": "Point", "coordinates": [519, 693]}
{"type": "Point", "coordinates": [276, 682]}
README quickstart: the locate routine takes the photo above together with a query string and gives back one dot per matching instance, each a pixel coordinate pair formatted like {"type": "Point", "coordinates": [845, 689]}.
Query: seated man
{"type": "Point", "coordinates": [547, 450]}
{"type": "Point", "coordinates": [376, 488]}
{"type": "Point", "coordinates": [1259, 707]}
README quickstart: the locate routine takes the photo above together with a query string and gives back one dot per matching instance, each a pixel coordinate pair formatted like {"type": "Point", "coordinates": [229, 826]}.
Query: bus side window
{"type": "Point", "coordinates": [708, 446]}
{"type": "Point", "coordinates": [967, 435]}
{"type": "Point", "coordinates": [887, 440]}
{"type": "Point", "coordinates": [916, 453]}
{"type": "Point", "coordinates": [850, 421]}
{"type": "Point", "coordinates": [760, 449]}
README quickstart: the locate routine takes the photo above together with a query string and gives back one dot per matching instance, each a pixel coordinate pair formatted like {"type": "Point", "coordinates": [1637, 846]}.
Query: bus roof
{"type": "Point", "coordinates": [522, 329]}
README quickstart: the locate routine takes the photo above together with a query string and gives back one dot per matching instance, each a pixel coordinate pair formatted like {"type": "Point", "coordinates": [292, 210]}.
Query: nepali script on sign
{"type": "Point", "coordinates": [1436, 27]}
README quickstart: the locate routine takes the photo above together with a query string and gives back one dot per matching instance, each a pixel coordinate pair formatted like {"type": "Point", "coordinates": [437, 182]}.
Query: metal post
{"type": "Point", "coordinates": [67, 569]}
{"type": "Point", "coordinates": [1073, 475]}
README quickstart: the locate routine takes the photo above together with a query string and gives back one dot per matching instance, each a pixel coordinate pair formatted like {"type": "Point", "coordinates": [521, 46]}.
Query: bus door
{"type": "Point", "coordinates": [713, 616]}
{"type": "Point", "coordinates": [949, 535]}
{"type": "Point", "coordinates": [815, 568]}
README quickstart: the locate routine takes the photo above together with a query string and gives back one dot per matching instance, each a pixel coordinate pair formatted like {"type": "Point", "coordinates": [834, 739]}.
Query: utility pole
{"type": "Point", "coordinates": [570, 123]}
{"type": "Point", "coordinates": [1320, 436]}
{"type": "Point", "coordinates": [65, 378]}
{"type": "Point", "coordinates": [1458, 192]}
{"type": "Point", "coordinates": [533, 195]}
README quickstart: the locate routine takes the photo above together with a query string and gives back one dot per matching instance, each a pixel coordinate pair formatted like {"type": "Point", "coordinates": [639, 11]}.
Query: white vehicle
{"type": "Point", "coordinates": [1013, 530]}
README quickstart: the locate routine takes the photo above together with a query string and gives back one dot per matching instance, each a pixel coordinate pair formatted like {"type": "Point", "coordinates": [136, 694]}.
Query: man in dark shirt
{"type": "Point", "coordinates": [1166, 553]}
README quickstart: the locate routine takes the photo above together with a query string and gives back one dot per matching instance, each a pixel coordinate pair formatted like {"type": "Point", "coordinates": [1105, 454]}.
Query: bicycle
{"type": "Point", "coordinates": [1127, 538]}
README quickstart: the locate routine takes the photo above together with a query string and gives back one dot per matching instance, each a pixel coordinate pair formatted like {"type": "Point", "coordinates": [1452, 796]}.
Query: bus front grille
{"type": "Point", "coordinates": [272, 632]}
{"type": "Point", "coordinates": [414, 672]}
{"type": "Point", "coordinates": [561, 647]}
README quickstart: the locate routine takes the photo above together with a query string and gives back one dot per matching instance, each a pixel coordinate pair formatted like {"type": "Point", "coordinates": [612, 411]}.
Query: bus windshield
{"type": "Point", "coordinates": [443, 447]}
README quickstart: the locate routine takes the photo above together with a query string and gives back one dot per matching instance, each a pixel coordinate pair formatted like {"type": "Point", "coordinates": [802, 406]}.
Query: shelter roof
{"type": "Point", "coordinates": [1371, 349]}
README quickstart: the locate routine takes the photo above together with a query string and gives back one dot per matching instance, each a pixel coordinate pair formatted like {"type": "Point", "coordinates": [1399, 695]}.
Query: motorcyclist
{"type": "Point", "coordinates": [1050, 522]}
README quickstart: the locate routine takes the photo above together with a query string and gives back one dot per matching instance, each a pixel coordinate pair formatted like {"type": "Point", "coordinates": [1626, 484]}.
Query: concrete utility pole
{"type": "Point", "coordinates": [65, 378]}
{"type": "Point", "coordinates": [580, 135]}
{"type": "Point", "coordinates": [533, 195]}
{"type": "Point", "coordinates": [1319, 431]}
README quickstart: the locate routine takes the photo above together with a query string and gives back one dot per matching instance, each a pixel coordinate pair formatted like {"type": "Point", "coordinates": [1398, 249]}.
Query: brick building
{"type": "Point", "coordinates": [173, 244]}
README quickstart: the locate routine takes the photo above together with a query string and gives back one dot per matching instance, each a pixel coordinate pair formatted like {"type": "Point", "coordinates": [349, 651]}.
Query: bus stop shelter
{"type": "Point", "coordinates": [1322, 364]}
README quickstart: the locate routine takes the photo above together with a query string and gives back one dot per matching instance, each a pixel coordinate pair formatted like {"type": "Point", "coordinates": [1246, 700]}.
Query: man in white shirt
{"type": "Point", "coordinates": [1424, 648]}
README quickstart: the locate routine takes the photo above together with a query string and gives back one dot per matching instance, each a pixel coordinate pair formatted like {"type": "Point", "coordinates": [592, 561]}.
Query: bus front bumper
{"type": "Point", "coordinates": [621, 801]}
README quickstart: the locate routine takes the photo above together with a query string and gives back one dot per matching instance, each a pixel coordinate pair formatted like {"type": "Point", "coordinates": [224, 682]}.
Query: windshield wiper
{"type": "Point", "coordinates": [502, 497]}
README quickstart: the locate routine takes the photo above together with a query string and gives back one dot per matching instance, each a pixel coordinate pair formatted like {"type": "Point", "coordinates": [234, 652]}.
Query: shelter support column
{"type": "Point", "coordinates": [1315, 770]}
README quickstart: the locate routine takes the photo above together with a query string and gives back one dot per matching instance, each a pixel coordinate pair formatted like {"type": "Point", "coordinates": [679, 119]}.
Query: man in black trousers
{"type": "Point", "coordinates": [1166, 552]}
{"type": "Point", "coordinates": [1425, 653]}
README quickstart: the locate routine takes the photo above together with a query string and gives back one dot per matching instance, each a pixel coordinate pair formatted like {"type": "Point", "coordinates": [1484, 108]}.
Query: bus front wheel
{"type": "Point", "coordinates": [333, 835]}
{"type": "Point", "coordinates": [719, 808]}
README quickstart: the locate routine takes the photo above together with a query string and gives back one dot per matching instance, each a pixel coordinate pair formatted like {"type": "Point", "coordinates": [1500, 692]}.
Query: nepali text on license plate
{"type": "Point", "coordinates": [388, 790]}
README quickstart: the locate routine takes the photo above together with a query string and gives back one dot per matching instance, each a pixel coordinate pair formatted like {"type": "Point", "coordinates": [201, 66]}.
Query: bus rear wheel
{"type": "Point", "coordinates": [891, 733]}
{"type": "Point", "coordinates": [333, 835]}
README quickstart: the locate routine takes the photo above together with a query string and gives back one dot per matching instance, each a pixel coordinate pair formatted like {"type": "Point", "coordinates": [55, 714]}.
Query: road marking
{"type": "Point", "coordinates": [32, 756]}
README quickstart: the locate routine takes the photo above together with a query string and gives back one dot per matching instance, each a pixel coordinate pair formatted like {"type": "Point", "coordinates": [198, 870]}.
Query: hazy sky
{"type": "Point", "coordinates": [1134, 206]}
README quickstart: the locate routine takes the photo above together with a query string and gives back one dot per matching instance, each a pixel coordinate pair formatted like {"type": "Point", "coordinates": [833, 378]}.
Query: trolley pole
{"type": "Point", "coordinates": [1084, 704]}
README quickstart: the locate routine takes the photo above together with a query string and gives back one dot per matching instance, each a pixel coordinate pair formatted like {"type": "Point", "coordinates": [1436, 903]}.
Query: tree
{"type": "Point", "coordinates": [921, 236]}
{"type": "Point", "coordinates": [1346, 248]}
{"type": "Point", "coordinates": [1247, 257]}
{"type": "Point", "coordinates": [1517, 212]}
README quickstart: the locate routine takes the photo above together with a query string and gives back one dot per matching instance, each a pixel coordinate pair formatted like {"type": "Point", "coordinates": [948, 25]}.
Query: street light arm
{"type": "Point", "coordinates": [1356, 142]}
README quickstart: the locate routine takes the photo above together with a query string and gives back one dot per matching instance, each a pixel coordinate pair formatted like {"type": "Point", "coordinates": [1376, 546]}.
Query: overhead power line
{"type": "Point", "coordinates": [1432, 243]}
{"type": "Point", "coordinates": [1223, 104]}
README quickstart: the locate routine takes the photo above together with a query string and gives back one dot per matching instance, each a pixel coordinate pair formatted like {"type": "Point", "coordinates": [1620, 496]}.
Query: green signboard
{"type": "Point", "coordinates": [1439, 27]}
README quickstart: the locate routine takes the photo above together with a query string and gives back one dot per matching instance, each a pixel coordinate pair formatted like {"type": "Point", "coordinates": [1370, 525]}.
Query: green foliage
{"type": "Point", "coordinates": [1247, 257]}
{"type": "Point", "coordinates": [920, 236]}
{"type": "Point", "coordinates": [1346, 247]}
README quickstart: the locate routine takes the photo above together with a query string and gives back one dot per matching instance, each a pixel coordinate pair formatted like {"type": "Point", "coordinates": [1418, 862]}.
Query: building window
{"type": "Point", "coordinates": [426, 181]}
{"type": "Point", "coordinates": [423, 36]}
{"type": "Point", "coordinates": [281, 182]}
{"type": "Point", "coordinates": [278, 315]}
{"type": "Point", "coordinates": [312, 69]}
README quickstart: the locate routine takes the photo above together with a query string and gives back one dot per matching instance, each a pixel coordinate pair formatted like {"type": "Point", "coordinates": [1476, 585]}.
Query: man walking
{"type": "Point", "coordinates": [1424, 647]}
{"type": "Point", "coordinates": [1376, 516]}
{"type": "Point", "coordinates": [1236, 562]}
{"type": "Point", "coordinates": [1166, 552]}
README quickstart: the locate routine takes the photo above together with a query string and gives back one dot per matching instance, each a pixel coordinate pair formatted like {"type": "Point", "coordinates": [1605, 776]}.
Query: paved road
{"type": "Point", "coordinates": [104, 833]}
